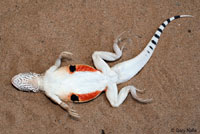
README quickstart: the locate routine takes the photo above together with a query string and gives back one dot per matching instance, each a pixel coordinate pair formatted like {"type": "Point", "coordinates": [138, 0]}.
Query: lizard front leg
{"type": "Point", "coordinates": [57, 100]}
{"type": "Point", "coordinates": [58, 61]}
{"type": "Point", "coordinates": [117, 99]}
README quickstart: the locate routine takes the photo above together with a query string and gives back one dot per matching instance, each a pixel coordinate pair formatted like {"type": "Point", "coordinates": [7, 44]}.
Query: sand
{"type": "Point", "coordinates": [34, 32]}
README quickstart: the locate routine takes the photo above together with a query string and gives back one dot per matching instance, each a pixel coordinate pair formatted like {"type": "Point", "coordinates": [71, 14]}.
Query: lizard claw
{"type": "Point", "coordinates": [73, 113]}
{"type": "Point", "coordinates": [127, 41]}
{"type": "Point", "coordinates": [65, 54]}
{"type": "Point", "coordinates": [140, 90]}
{"type": "Point", "coordinates": [123, 47]}
{"type": "Point", "coordinates": [119, 39]}
{"type": "Point", "coordinates": [69, 110]}
{"type": "Point", "coordinates": [144, 100]}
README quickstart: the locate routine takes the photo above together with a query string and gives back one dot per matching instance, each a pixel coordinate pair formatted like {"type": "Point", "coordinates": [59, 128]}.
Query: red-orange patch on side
{"type": "Point", "coordinates": [85, 68]}
{"type": "Point", "coordinates": [83, 97]}
{"type": "Point", "coordinates": [89, 96]}
{"type": "Point", "coordinates": [81, 68]}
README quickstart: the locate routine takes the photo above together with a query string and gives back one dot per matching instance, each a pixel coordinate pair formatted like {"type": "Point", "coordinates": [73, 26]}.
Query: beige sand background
{"type": "Point", "coordinates": [34, 32]}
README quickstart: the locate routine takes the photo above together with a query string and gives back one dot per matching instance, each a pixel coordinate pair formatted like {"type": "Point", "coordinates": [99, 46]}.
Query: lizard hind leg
{"type": "Point", "coordinates": [116, 99]}
{"type": "Point", "coordinates": [99, 57]}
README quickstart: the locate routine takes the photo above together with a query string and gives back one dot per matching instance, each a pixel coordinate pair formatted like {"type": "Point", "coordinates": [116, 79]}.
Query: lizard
{"type": "Point", "coordinates": [82, 83]}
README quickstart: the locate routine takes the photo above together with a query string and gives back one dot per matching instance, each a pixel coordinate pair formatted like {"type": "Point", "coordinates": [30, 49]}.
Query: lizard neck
{"type": "Point", "coordinates": [39, 82]}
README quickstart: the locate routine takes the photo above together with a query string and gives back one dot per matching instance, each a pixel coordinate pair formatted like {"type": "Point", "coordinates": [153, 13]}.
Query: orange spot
{"type": "Point", "coordinates": [89, 96]}
{"type": "Point", "coordinates": [85, 97]}
{"type": "Point", "coordinates": [85, 68]}
{"type": "Point", "coordinates": [81, 68]}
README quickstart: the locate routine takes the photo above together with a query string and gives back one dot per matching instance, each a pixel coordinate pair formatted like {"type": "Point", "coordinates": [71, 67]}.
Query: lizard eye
{"type": "Point", "coordinates": [22, 82]}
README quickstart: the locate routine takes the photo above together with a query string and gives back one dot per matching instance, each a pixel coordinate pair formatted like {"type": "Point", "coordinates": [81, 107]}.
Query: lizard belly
{"type": "Point", "coordinates": [84, 86]}
{"type": "Point", "coordinates": [78, 87]}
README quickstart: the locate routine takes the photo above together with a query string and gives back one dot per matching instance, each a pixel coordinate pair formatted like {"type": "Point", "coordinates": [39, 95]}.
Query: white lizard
{"type": "Point", "coordinates": [82, 83]}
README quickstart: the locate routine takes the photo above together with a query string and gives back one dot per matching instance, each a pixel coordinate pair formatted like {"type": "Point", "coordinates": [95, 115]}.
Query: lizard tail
{"type": "Point", "coordinates": [130, 68]}
{"type": "Point", "coordinates": [149, 49]}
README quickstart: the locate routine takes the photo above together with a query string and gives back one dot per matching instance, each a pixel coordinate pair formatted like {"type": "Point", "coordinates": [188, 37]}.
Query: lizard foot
{"type": "Point", "coordinates": [73, 113]}
{"type": "Point", "coordinates": [65, 54]}
{"type": "Point", "coordinates": [140, 90]}
{"type": "Point", "coordinates": [120, 39]}
{"type": "Point", "coordinates": [69, 110]}
{"type": "Point", "coordinates": [134, 94]}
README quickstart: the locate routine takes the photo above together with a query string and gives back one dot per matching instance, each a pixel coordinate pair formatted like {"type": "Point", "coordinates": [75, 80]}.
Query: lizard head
{"type": "Point", "coordinates": [26, 82]}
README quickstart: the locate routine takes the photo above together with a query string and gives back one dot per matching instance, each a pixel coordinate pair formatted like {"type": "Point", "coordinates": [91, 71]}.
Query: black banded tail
{"type": "Point", "coordinates": [137, 63]}
{"type": "Point", "coordinates": [154, 40]}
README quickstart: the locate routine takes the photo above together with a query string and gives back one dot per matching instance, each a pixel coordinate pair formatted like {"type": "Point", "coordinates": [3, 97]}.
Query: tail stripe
{"type": "Point", "coordinates": [153, 41]}
{"type": "Point", "coordinates": [163, 24]}
{"type": "Point", "coordinates": [159, 30]}
{"type": "Point", "coordinates": [168, 20]}
{"type": "Point", "coordinates": [157, 36]}
{"type": "Point", "coordinates": [151, 47]}
{"type": "Point", "coordinates": [162, 27]}
{"type": "Point", "coordinates": [176, 17]}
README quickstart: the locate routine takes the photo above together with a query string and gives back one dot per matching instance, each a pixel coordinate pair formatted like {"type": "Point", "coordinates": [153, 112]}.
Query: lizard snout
{"type": "Point", "coordinates": [25, 82]}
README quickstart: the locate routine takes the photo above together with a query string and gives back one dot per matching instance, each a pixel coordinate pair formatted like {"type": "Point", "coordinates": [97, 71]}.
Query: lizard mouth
{"type": "Point", "coordinates": [26, 82]}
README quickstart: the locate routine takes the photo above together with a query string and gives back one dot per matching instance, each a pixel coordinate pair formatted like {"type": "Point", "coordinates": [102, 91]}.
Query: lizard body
{"type": "Point", "coordinates": [82, 83]}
